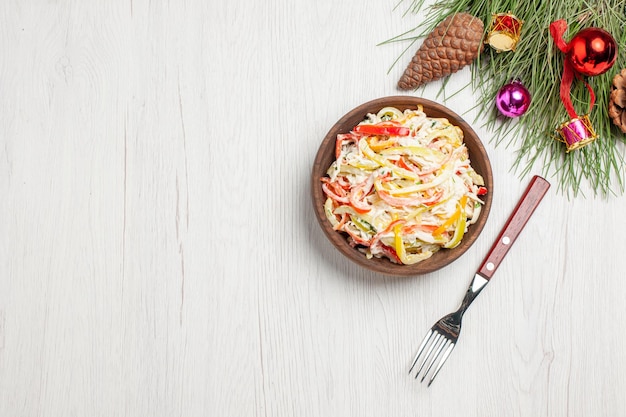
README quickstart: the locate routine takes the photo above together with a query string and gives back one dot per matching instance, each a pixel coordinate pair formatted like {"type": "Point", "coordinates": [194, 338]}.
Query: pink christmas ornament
{"type": "Point", "coordinates": [513, 99]}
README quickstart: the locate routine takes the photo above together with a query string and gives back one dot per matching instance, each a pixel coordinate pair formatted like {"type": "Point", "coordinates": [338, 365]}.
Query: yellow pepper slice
{"type": "Point", "coordinates": [406, 258]}
{"type": "Point", "coordinates": [439, 231]}
{"type": "Point", "coordinates": [328, 210]}
{"type": "Point", "coordinates": [376, 144]}
{"type": "Point", "coordinates": [380, 160]}
{"type": "Point", "coordinates": [431, 154]}
{"type": "Point", "coordinates": [461, 224]}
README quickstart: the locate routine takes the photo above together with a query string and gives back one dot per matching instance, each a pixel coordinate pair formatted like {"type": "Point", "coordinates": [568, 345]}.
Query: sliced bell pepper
{"type": "Point", "coordinates": [364, 225]}
{"type": "Point", "coordinates": [458, 233]}
{"type": "Point", "coordinates": [452, 219]}
{"type": "Point", "coordinates": [409, 201]}
{"type": "Point", "coordinates": [403, 163]}
{"type": "Point", "coordinates": [406, 258]}
{"type": "Point", "coordinates": [380, 160]}
{"type": "Point", "coordinates": [358, 194]}
{"type": "Point", "coordinates": [382, 129]}
{"type": "Point", "coordinates": [335, 192]}
{"type": "Point", "coordinates": [390, 253]}
{"type": "Point", "coordinates": [461, 224]}
{"type": "Point", "coordinates": [341, 139]}
{"type": "Point", "coordinates": [378, 145]}
{"type": "Point", "coordinates": [386, 230]}
{"type": "Point", "coordinates": [356, 237]}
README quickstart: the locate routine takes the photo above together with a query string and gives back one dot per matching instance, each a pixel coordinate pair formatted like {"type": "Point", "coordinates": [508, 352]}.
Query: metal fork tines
{"type": "Point", "coordinates": [438, 345]}
{"type": "Point", "coordinates": [442, 337]}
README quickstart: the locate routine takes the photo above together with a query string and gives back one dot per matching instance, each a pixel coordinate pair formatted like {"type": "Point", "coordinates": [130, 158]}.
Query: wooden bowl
{"type": "Point", "coordinates": [326, 155]}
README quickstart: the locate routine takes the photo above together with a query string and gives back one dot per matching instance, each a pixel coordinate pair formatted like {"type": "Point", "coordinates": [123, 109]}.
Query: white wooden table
{"type": "Point", "coordinates": [159, 255]}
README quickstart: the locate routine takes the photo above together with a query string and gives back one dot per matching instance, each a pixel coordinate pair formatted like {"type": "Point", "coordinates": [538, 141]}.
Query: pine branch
{"type": "Point", "coordinates": [539, 65]}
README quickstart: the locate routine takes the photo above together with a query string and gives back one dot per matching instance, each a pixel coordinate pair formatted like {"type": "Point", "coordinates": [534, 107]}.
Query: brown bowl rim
{"type": "Point", "coordinates": [321, 163]}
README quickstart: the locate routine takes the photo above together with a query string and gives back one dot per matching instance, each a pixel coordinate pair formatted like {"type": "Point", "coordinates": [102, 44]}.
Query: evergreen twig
{"type": "Point", "coordinates": [539, 65]}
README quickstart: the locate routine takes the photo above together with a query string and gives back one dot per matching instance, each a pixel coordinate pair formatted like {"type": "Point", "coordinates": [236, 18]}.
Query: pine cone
{"type": "Point", "coordinates": [617, 103]}
{"type": "Point", "coordinates": [453, 44]}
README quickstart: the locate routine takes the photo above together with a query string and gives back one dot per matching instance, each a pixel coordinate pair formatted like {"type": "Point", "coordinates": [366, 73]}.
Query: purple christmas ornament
{"type": "Point", "coordinates": [513, 99]}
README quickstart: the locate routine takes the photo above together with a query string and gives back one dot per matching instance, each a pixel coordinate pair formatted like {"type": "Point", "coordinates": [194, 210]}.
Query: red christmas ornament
{"type": "Point", "coordinates": [592, 51]}
{"type": "Point", "coordinates": [583, 52]}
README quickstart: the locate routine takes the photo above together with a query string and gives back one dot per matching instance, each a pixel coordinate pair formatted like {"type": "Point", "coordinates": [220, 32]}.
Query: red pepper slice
{"type": "Point", "coordinates": [356, 238]}
{"type": "Point", "coordinates": [391, 253]}
{"type": "Point", "coordinates": [358, 194]}
{"type": "Point", "coordinates": [341, 139]}
{"type": "Point", "coordinates": [481, 191]}
{"type": "Point", "coordinates": [334, 191]}
{"type": "Point", "coordinates": [382, 129]}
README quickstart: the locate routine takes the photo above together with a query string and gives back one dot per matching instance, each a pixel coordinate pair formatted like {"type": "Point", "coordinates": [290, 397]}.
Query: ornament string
{"type": "Point", "coordinates": [557, 30]}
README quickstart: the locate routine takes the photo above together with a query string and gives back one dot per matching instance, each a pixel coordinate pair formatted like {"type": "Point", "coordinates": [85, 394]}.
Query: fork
{"type": "Point", "coordinates": [442, 337]}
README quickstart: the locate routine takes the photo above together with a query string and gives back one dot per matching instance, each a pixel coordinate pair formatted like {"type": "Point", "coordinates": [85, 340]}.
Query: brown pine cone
{"type": "Point", "coordinates": [617, 103]}
{"type": "Point", "coordinates": [453, 44]}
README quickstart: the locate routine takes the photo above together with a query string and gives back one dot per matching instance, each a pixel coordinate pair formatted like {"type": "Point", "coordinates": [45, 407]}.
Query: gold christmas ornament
{"type": "Point", "coordinates": [453, 44]}
{"type": "Point", "coordinates": [504, 32]}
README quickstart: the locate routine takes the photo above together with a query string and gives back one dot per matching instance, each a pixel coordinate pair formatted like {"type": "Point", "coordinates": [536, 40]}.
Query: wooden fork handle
{"type": "Point", "coordinates": [514, 225]}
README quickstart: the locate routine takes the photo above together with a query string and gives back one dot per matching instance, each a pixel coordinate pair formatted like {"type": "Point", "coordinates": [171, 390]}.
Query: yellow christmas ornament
{"type": "Point", "coordinates": [504, 32]}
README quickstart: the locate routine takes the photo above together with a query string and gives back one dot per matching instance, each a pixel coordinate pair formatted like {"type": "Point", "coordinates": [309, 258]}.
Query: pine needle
{"type": "Point", "coordinates": [538, 64]}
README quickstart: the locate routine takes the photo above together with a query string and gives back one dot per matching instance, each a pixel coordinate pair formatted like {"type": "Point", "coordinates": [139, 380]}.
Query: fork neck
{"type": "Point", "coordinates": [476, 286]}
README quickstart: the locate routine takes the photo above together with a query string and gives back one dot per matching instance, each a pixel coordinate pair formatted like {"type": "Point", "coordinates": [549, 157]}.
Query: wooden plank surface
{"type": "Point", "coordinates": [159, 255]}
